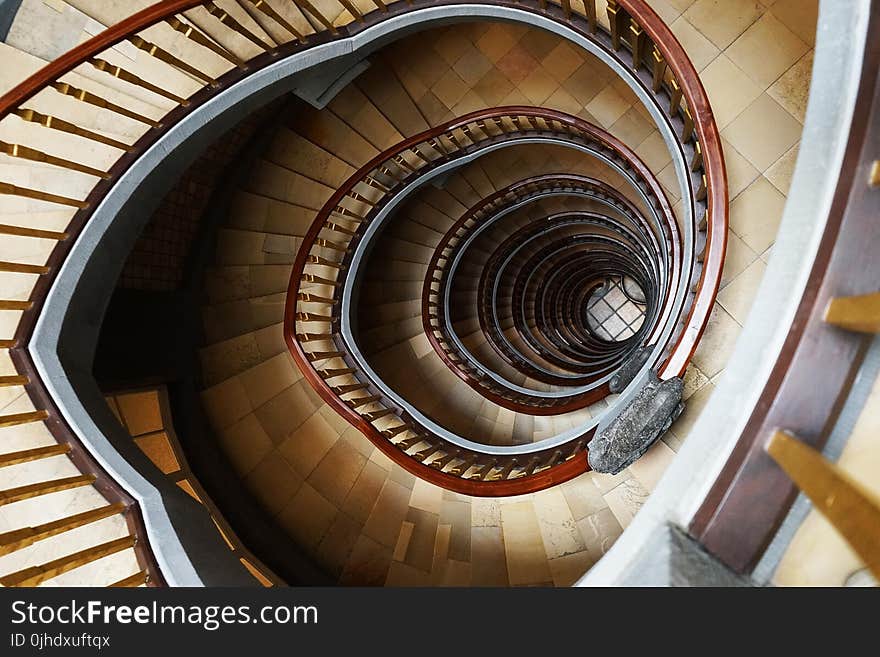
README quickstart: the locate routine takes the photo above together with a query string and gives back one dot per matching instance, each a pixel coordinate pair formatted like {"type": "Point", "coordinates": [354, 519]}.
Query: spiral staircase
{"type": "Point", "coordinates": [452, 285]}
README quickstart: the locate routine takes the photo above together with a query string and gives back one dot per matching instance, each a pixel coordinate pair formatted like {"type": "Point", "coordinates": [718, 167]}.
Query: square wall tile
{"type": "Point", "coordinates": [782, 171]}
{"type": "Point", "coordinates": [722, 21]}
{"type": "Point", "coordinates": [755, 214]}
{"type": "Point", "coordinates": [717, 343]}
{"type": "Point", "coordinates": [700, 50]}
{"type": "Point", "coordinates": [738, 296]}
{"type": "Point", "coordinates": [729, 89]}
{"type": "Point", "coordinates": [800, 16]}
{"type": "Point", "coordinates": [739, 256]}
{"type": "Point", "coordinates": [792, 89]}
{"type": "Point", "coordinates": [608, 106]}
{"type": "Point", "coordinates": [740, 172]}
{"type": "Point", "coordinates": [766, 50]}
{"type": "Point", "coordinates": [763, 132]}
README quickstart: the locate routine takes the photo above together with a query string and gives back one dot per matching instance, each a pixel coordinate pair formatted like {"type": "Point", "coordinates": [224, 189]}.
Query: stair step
{"type": "Point", "coordinates": [35, 575]}
{"type": "Point", "coordinates": [331, 133]}
{"type": "Point", "coordinates": [382, 87]}
{"type": "Point", "coordinates": [233, 318]}
{"type": "Point", "coordinates": [295, 152]}
{"type": "Point", "coordinates": [226, 358]}
{"type": "Point", "coordinates": [246, 247]}
{"type": "Point", "coordinates": [356, 109]}
{"type": "Point", "coordinates": [28, 491]}
{"type": "Point", "coordinates": [236, 282]}
{"type": "Point", "coordinates": [21, 538]}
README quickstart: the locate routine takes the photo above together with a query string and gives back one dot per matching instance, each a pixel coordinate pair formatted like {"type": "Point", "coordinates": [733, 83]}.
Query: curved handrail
{"type": "Point", "coordinates": [487, 294]}
{"type": "Point", "coordinates": [796, 368]}
{"type": "Point", "coordinates": [455, 237]}
{"type": "Point", "coordinates": [344, 217]}
{"type": "Point", "coordinates": [696, 118]}
{"type": "Point", "coordinates": [681, 79]}
{"type": "Point", "coordinates": [433, 309]}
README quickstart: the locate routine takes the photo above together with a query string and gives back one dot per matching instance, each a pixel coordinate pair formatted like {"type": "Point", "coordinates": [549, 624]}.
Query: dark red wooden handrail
{"type": "Point", "coordinates": [716, 186]}
{"type": "Point", "coordinates": [707, 287]}
{"type": "Point", "coordinates": [578, 400]}
{"type": "Point", "coordinates": [529, 483]}
{"type": "Point", "coordinates": [80, 54]}
{"type": "Point", "coordinates": [676, 59]}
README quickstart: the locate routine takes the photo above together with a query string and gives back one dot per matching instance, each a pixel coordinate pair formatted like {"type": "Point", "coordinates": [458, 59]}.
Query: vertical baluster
{"type": "Point", "coordinates": [464, 466]}
{"type": "Point", "coordinates": [321, 18]}
{"type": "Point", "coordinates": [438, 146]}
{"type": "Point", "coordinates": [504, 473]}
{"type": "Point", "coordinates": [566, 8]}
{"type": "Point", "coordinates": [26, 192]}
{"type": "Point", "coordinates": [54, 123]}
{"type": "Point", "coordinates": [121, 74]}
{"type": "Point", "coordinates": [659, 65]}
{"type": "Point", "coordinates": [675, 97]}
{"type": "Point", "coordinates": [349, 6]}
{"type": "Point", "coordinates": [702, 189]}
{"type": "Point", "coordinates": [851, 510]}
{"type": "Point", "coordinates": [190, 32]}
{"type": "Point", "coordinates": [230, 22]}
{"type": "Point", "coordinates": [590, 13]}
{"type": "Point", "coordinates": [697, 159]}
{"type": "Point", "coordinates": [615, 20]}
{"type": "Point", "coordinates": [266, 8]}
{"type": "Point", "coordinates": [860, 313]}
{"type": "Point", "coordinates": [688, 130]}
{"type": "Point", "coordinates": [164, 56]}
{"type": "Point", "coordinates": [451, 137]}
{"type": "Point", "coordinates": [87, 97]}
{"type": "Point", "coordinates": [637, 40]}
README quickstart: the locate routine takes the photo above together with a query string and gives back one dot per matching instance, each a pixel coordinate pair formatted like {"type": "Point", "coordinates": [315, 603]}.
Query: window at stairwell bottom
{"type": "Point", "coordinates": [616, 309]}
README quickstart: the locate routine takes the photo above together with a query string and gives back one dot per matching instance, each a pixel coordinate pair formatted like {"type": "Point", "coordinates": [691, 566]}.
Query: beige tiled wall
{"type": "Point", "coordinates": [755, 60]}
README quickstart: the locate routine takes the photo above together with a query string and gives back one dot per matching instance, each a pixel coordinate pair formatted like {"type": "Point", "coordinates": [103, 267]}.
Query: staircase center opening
{"type": "Point", "coordinates": [616, 309]}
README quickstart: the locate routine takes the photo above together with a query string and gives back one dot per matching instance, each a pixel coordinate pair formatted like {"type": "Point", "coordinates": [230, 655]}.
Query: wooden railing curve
{"type": "Point", "coordinates": [820, 359]}
{"type": "Point", "coordinates": [487, 299]}
{"type": "Point", "coordinates": [518, 471]}
{"type": "Point", "coordinates": [434, 325]}
{"type": "Point", "coordinates": [680, 81]}
{"type": "Point", "coordinates": [456, 235]}
{"type": "Point", "coordinates": [710, 256]}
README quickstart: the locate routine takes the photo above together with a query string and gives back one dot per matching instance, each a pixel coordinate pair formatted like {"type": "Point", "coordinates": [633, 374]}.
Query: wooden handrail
{"type": "Point", "coordinates": [710, 264]}
{"type": "Point", "coordinates": [454, 235]}
{"type": "Point", "coordinates": [492, 270]}
{"type": "Point", "coordinates": [535, 404]}
{"type": "Point", "coordinates": [478, 485]}
{"type": "Point", "coordinates": [819, 360]}
{"type": "Point", "coordinates": [691, 88]}
{"type": "Point", "coordinates": [685, 83]}
{"type": "Point", "coordinates": [113, 35]}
